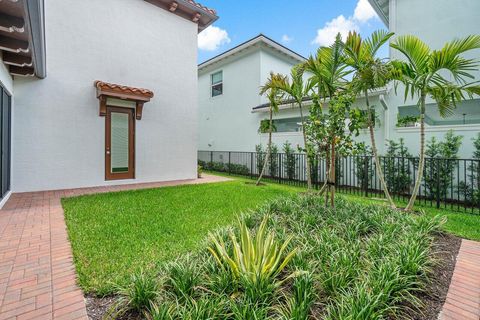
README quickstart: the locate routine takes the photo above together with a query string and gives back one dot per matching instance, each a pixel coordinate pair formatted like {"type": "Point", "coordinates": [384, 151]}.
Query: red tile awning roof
{"type": "Point", "coordinates": [198, 5]}
{"type": "Point", "coordinates": [190, 10]}
{"type": "Point", "coordinates": [122, 92]}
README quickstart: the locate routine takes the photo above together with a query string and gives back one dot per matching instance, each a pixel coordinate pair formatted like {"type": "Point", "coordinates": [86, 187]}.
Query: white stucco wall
{"type": "Point", "coordinates": [59, 137]}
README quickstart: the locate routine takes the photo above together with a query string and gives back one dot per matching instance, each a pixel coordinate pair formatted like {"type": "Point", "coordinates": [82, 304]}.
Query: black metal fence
{"type": "Point", "coordinates": [447, 183]}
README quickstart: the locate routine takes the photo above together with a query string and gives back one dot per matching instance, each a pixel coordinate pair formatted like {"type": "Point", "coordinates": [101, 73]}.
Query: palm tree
{"type": "Point", "coordinates": [439, 74]}
{"type": "Point", "coordinates": [370, 73]}
{"type": "Point", "coordinates": [273, 97]}
{"type": "Point", "coordinates": [297, 91]}
{"type": "Point", "coordinates": [328, 71]}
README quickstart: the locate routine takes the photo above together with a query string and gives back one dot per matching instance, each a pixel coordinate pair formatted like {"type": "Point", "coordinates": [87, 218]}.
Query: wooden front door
{"type": "Point", "coordinates": [119, 143]}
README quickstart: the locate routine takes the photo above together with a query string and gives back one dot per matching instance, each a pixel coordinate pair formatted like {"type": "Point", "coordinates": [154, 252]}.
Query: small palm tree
{"type": "Point", "coordinates": [439, 74]}
{"type": "Point", "coordinates": [297, 91]}
{"type": "Point", "coordinates": [273, 97]}
{"type": "Point", "coordinates": [328, 72]}
{"type": "Point", "coordinates": [370, 73]}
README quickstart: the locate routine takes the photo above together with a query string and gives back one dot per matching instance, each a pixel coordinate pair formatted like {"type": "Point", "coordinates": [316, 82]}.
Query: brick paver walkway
{"type": "Point", "coordinates": [463, 298]}
{"type": "Point", "coordinates": [37, 275]}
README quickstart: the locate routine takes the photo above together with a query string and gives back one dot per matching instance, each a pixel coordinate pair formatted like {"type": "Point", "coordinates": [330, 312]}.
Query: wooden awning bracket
{"type": "Point", "coordinates": [109, 90]}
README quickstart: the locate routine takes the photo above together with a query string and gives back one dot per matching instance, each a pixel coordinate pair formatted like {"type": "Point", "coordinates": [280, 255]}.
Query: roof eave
{"type": "Point", "coordinates": [380, 12]}
{"type": "Point", "coordinates": [249, 43]}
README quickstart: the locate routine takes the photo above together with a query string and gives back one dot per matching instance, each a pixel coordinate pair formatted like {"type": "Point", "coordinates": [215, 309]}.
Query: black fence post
{"type": "Point", "coordinates": [229, 163]}
{"type": "Point", "coordinates": [279, 168]}
{"type": "Point", "coordinates": [365, 175]}
{"type": "Point", "coordinates": [211, 157]}
{"type": "Point", "coordinates": [438, 183]}
{"type": "Point", "coordinates": [251, 165]}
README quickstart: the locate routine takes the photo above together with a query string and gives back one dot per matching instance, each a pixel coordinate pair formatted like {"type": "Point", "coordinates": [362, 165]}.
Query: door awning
{"type": "Point", "coordinates": [110, 90]}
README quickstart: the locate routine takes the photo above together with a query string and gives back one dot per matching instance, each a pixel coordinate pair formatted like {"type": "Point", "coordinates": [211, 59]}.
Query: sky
{"type": "Point", "coordinates": [301, 25]}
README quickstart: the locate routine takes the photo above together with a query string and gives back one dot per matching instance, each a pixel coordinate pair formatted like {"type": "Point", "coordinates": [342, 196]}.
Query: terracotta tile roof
{"type": "Point", "coordinates": [200, 6]}
{"type": "Point", "coordinates": [123, 89]}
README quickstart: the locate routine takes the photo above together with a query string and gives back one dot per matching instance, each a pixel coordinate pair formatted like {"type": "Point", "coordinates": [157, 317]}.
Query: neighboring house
{"type": "Point", "coordinates": [74, 113]}
{"type": "Point", "coordinates": [230, 121]}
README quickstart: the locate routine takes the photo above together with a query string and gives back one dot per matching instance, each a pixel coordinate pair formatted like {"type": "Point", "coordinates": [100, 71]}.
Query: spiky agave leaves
{"type": "Point", "coordinates": [257, 259]}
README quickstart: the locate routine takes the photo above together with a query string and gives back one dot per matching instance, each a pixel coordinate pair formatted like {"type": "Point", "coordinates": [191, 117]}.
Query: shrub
{"type": "Point", "coordinates": [290, 162]}
{"type": "Point", "coordinates": [364, 169]}
{"type": "Point", "coordinates": [260, 157]}
{"type": "Point", "coordinates": [398, 164]}
{"type": "Point", "coordinates": [273, 165]}
{"type": "Point", "coordinates": [439, 169]}
{"type": "Point", "coordinates": [470, 189]}
{"type": "Point", "coordinates": [182, 279]}
{"type": "Point", "coordinates": [138, 296]}
{"type": "Point", "coordinates": [199, 171]}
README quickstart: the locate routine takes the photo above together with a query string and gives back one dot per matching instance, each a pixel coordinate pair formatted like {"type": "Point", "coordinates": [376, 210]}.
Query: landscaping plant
{"type": "Point", "coordinates": [371, 73]}
{"type": "Point", "coordinates": [441, 164]}
{"type": "Point", "coordinates": [398, 162]}
{"type": "Point", "coordinates": [470, 189]}
{"type": "Point", "coordinates": [273, 95]}
{"type": "Point", "coordinates": [290, 161]}
{"type": "Point", "coordinates": [295, 89]}
{"type": "Point", "coordinates": [441, 75]}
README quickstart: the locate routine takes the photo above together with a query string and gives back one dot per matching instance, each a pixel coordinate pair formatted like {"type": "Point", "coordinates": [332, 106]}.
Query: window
{"type": "Point", "coordinates": [217, 83]}
{"type": "Point", "coordinates": [288, 124]}
{"type": "Point", "coordinates": [466, 113]}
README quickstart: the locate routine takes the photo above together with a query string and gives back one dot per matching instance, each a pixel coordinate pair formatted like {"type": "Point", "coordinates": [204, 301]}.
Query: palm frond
{"type": "Point", "coordinates": [415, 50]}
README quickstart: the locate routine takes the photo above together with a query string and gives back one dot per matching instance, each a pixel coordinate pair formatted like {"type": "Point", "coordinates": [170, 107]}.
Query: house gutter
{"type": "Point", "coordinates": [35, 18]}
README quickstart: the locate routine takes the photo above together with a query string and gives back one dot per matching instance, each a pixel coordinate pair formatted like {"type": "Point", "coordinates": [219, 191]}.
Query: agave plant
{"type": "Point", "coordinates": [257, 259]}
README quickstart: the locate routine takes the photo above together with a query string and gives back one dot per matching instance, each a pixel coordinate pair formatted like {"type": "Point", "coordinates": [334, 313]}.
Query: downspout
{"type": "Point", "coordinates": [386, 116]}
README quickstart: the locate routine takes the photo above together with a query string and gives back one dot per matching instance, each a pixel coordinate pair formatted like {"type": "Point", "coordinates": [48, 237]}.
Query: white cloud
{"type": "Point", "coordinates": [212, 38]}
{"type": "Point", "coordinates": [362, 14]}
{"type": "Point", "coordinates": [364, 11]}
{"type": "Point", "coordinates": [326, 35]}
{"type": "Point", "coordinates": [286, 38]}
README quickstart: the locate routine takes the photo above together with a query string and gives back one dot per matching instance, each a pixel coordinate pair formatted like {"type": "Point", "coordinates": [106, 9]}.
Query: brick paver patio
{"type": "Point", "coordinates": [463, 298]}
{"type": "Point", "coordinates": [37, 275]}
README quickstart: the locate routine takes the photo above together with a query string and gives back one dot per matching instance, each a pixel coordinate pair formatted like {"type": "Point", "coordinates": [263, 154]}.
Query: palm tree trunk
{"type": "Point", "coordinates": [267, 158]}
{"type": "Point", "coordinates": [421, 162]}
{"type": "Point", "coordinates": [309, 177]}
{"type": "Point", "coordinates": [378, 167]}
{"type": "Point", "coordinates": [332, 175]}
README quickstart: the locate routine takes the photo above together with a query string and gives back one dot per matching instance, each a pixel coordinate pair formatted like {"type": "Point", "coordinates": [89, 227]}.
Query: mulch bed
{"type": "Point", "coordinates": [446, 247]}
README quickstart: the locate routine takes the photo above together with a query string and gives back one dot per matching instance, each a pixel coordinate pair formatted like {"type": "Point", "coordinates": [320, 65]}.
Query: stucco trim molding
{"type": "Point", "coordinates": [110, 90]}
{"type": "Point", "coordinates": [459, 127]}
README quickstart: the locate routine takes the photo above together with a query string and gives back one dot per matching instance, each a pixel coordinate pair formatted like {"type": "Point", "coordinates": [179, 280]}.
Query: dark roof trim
{"type": "Point", "coordinates": [248, 41]}
{"type": "Point", "coordinates": [35, 17]}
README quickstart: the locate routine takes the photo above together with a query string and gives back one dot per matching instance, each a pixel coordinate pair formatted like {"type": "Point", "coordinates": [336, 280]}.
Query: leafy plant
{"type": "Point", "coordinates": [398, 163]}
{"type": "Point", "coordinates": [364, 170]}
{"type": "Point", "coordinates": [265, 126]}
{"type": "Point", "coordinates": [290, 162]}
{"type": "Point", "coordinates": [138, 296]}
{"type": "Point", "coordinates": [470, 189]}
{"type": "Point", "coordinates": [299, 304]}
{"type": "Point", "coordinates": [182, 279]}
{"type": "Point", "coordinates": [273, 165]}
{"type": "Point", "coordinates": [256, 260]}
{"type": "Point", "coordinates": [260, 156]}
{"type": "Point", "coordinates": [406, 121]}
{"type": "Point", "coordinates": [199, 171]}
{"type": "Point", "coordinates": [439, 169]}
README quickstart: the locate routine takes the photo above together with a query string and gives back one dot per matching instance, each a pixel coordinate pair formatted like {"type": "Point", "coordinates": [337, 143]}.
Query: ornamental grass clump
{"type": "Point", "coordinates": [254, 261]}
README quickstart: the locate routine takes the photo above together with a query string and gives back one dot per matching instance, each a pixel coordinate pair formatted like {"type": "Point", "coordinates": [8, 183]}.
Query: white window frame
{"type": "Point", "coordinates": [215, 84]}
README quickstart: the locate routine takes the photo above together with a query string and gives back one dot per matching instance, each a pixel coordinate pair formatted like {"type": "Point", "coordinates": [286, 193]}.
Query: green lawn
{"type": "Point", "coordinates": [113, 234]}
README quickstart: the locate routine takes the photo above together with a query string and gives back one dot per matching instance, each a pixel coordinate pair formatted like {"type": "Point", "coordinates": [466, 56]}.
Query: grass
{"type": "Point", "coordinates": [355, 261]}
{"type": "Point", "coordinates": [462, 224]}
{"type": "Point", "coordinates": [115, 234]}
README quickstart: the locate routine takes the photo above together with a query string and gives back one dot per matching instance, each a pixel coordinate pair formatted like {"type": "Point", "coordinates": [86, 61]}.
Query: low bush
{"type": "Point", "coordinates": [305, 261]}
{"type": "Point", "coordinates": [232, 168]}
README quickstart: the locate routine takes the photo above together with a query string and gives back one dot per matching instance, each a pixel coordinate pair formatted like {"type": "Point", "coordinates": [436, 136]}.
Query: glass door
{"type": "Point", "coordinates": [120, 144]}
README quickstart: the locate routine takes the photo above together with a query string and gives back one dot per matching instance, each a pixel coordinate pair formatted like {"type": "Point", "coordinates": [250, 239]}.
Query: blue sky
{"type": "Point", "coordinates": [301, 25]}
